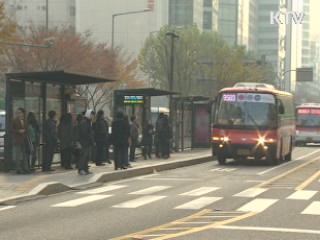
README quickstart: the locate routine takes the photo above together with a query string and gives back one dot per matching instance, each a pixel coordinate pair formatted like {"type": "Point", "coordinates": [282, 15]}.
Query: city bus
{"type": "Point", "coordinates": [308, 123]}
{"type": "Point", "coordinates": [253, 120]}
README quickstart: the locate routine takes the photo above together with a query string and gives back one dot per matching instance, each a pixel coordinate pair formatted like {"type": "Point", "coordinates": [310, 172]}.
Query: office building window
{"type": "Point", "coordinates": [207, 20]}
{"type": "Point", "coordinates": [207, 3]}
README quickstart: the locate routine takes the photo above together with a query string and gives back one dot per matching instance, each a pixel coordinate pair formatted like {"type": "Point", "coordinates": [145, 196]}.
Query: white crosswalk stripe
{"type": "Point", "coordinates": [251, 192]}
{"type": "Point", "coordinates": [6, 208]}
{"type": "Point", "coordinates": [102, 189]}
{"type": "Point", "coordinates": [313, 208]}
{"type": "Point", "coordinates": [302, 195]}
{"type": "Point", "coordinates": [150, 190]}
{"type": "Point", "coordinates": [222, 169]}
{"type": "Point", "coordinates": [135, 203]}
{"type": "Point", "coordinates": [198, 203]}
{"type": "Point", "coordinates": [81, 201]}
{"type": "Point", "coordinates": [200, 191]}
{"type": "Point", "coordinates": [257, 205]}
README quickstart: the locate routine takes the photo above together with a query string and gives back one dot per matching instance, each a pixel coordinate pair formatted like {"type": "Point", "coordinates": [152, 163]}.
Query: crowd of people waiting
{"type": "Point", "coordinates": [86, 136]}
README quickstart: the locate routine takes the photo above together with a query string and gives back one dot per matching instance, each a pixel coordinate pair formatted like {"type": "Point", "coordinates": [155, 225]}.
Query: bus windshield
{"type": "Point", "coordinates": [247, 110]}
{"type": "Point", "coordinates": [307, 117]}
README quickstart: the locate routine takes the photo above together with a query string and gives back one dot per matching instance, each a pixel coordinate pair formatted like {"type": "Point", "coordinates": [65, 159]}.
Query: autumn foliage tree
{"type": "Point", "coordinates": [75, 53]}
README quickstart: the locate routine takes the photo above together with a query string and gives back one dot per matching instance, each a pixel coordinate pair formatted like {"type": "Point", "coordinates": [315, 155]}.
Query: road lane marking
{"type": "Point", "coordinates": [135, 203]}
{"type": "Point", "coordinates": [286, 173]}
{"type": "Point", "coordinates": [81, 201]}
{"type": "Point", "coordinates": [102, 189]}
{"type": "Point", "coordinates": [198, 203]}
{"type": "Point", "coordinates": [269, 229]}
{"type": "Point", "coordinates": [308, 181]}
{"type": "Point", "coordinates": [302, 195]}
{"type": "Point", "coordinates": [257, 205]}
{"type": "Point", "coordinates": [222, 169]}
{"type": "Point", "coordinates": [210, 226]}
{"type": "Point", "coordinates": [251, 192]}
{"type": "Point", "coordinates": [271, 169]}
{"type": "Point", "coordinates": [151, 190]}
{"type": "Point", "coordinates": [200, 191]}
{"type": "Point", "coordinates": [313, 209]}
{"type": "Point", "coordinates": [6, 208]}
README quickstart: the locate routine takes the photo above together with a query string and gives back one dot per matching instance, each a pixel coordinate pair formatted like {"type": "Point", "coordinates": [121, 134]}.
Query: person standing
{"type": "Point", "coordinates": [76, 144]}
{"type": "Point", "coordinates": [101, 136]}
{"type": "Point", "coordinates": [157, 141]}
{"type": "Point", "coordinates": [66, 140]}
{"type": "Point", "coordinates": [86, 142]}
{"type": "Point", "coordinates": [34, 134]}
{"type": "Point", "coordinates": [20, 131]}
{"type": "Point", "coordinates": [134, 135]}
{"type": "Point", "coordinates": [51, 139]}
{"type": "Point", "coordinates": [165, 136]}
{"type": "Point", "coordinates": [121, 140]}
{"type": "Point", "coordinates": [146, 142]}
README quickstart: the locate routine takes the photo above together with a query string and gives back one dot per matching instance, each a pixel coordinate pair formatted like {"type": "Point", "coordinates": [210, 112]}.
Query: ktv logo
{"type": "Point", "coordinates": [286, 17]}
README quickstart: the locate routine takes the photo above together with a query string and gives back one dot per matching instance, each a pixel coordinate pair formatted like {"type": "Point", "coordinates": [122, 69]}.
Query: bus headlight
{"type": "Point", "coordinates": [263, 140]}
{"type": "Point", "coordinates": [225, 139]}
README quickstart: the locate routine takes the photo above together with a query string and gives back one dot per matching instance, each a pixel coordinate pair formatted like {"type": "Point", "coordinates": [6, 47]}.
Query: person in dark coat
{"type": "Point", "coordinates": [165, 136]}
{"type": "Point", "coordinates": [101, 136]}
{"type": "Point", "coordinates": [134, 135]}
{"type": "Point", "coordinates": [158, 144]}
{"type": "Point", "coordinates": [76, 144]}
{"type": "Point", "coordinates": [86, 142]}
{"type": "Point", "coordinates": [20, 131]}
{"type": "Point", "coordinates": [121, 140]}
{"type": "Point", "coordinates": [146, 142]}
{"type": "Point", "coordinates": [51, 138]}
{"type": "Point", "coordinates": [34, 133]}
{"type": "Point", "coordinates": [66, 140]}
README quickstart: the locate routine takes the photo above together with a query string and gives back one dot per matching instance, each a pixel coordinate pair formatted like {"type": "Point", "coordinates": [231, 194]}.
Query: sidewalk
{"type": "Point", "coordinates": [15, 188]}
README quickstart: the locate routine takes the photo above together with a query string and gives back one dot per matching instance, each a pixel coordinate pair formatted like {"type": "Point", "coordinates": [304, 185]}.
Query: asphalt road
{"type": "Point", "coordinates": [208, 201]}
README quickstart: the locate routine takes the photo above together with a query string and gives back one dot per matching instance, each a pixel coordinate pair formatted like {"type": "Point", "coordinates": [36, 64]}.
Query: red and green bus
{"type": "Point", "coordinates": [308, 123]}
{"type": "Point", "coordinates": [253, 120]}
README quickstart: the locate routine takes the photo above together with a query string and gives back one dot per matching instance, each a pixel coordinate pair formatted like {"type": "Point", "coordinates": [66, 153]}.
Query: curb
{"type": "Point", "coordinates": [50, 188]}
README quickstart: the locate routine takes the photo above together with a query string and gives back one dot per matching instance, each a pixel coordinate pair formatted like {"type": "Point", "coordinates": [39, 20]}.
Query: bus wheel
{"type": "Point", "coordinates": [221, 158]}
{"type": "Point", "coordinates": [272, 158]}
{"type": "Point", "coordinates": [288, 157]}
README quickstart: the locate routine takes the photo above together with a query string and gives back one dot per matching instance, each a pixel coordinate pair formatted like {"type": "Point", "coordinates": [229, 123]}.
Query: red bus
{"type": "Point", "coordinates": [253, 120]}
{"type": "Point", "coordinates": [308, 123]}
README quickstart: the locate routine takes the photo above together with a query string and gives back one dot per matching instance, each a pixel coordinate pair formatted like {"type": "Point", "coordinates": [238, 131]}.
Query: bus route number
{"type": "Point", "coordinates": [229, 97]}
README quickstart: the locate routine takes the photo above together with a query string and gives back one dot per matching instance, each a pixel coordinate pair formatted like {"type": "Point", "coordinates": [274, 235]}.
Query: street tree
{"type": "Point", "coordinates": [76, 53]}
{"type": "Point", "coordinates": [7, 27]}
{"type": "Point", "coordinates": [203, 62]}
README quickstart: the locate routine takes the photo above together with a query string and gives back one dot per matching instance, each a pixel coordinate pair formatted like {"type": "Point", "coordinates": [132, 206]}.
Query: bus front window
{"type": "Point", "coordinates": [247, 110]}
{"type": "Point", "coordinates": [308, 117]}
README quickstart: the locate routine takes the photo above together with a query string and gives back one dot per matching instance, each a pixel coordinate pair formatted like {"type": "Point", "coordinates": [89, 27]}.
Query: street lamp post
{"type": "Point", "coordinates": [120, 14]}
{"type": "Point", "coordinates": [173, 36]}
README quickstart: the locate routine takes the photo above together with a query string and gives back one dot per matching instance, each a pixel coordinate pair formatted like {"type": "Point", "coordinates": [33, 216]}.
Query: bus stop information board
{"type": "Point", "coordinates": [133, 100]}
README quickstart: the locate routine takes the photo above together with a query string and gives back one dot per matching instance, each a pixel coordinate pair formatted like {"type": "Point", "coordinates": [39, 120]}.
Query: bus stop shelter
{"type": "Point", "coordinates": [41, 92]}
{"type": "Point", "coordinates": [194, 121]}
{"type": "Point", "coordinates": [137, 102]}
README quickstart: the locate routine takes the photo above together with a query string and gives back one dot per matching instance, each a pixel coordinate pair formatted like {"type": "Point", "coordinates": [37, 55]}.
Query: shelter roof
{"type": "Point", "coordinates": [151, 92]}
{"type": "Point", "coordinates": [57, 77]}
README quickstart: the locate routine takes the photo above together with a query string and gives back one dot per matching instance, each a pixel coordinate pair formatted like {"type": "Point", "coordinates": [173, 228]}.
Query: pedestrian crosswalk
{"type": "Point", "coordinates": [193, 199]}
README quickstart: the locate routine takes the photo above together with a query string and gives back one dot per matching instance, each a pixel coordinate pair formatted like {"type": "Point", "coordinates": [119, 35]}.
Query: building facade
{"type": "Point", "coordinates": [42, 13]}
{"type": "Point", "coordinates": [202, 13]}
